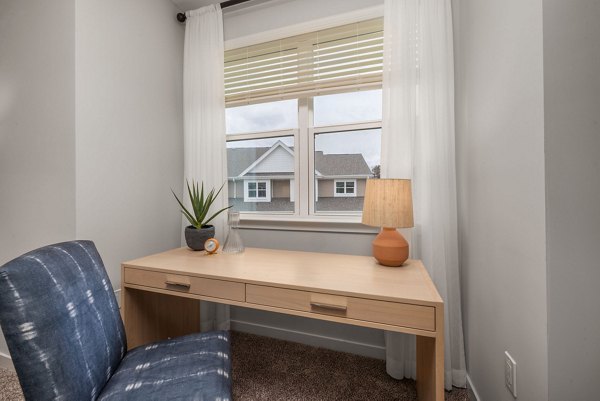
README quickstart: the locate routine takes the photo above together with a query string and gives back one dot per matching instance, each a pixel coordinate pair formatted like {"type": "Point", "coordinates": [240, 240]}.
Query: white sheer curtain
{"type": "Point", "coordinates": [205, 157]}
{"type": "Point", "coordinates": [418, 143]}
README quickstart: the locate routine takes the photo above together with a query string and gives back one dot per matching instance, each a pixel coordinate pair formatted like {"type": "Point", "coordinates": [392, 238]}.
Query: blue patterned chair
{"type": "Point", "coordinates": [64, 332]}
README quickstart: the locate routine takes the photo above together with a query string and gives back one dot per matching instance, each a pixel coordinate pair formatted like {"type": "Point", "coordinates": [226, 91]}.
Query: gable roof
{"type": "Point", "coordinates": [239, 160]}
{"type": "Point", "coordinates": [341, 164]}
{"type": "Point", "coordinates": [289, 156]}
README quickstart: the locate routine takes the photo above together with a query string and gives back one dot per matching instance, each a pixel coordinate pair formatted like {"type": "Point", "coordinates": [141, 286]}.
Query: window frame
{"type": "Point", "coordinates": [295, 221]}
{"type": "Point", "coordinates": [248, 198]}
{"type": "Point", "coordinates": [344, 194]}
{"type": "Point", "coordinates": [330, 129]}
{"type": "Point", "coordinates": [304, 160]}
{"type": "Point", "coordinates": [304, 217]}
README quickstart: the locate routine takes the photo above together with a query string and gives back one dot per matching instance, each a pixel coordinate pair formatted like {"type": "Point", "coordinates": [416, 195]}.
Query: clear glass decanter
{"type": "Point", "coordinates": [233, 243]}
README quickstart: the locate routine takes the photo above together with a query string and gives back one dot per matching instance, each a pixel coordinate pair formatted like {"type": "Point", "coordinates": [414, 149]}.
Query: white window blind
{"type": "Point", "coordinates": [348, 57]}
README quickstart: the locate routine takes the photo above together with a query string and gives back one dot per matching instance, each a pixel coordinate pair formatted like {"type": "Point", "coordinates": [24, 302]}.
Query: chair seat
{"type": "Point", "coordinates": [192, 367]}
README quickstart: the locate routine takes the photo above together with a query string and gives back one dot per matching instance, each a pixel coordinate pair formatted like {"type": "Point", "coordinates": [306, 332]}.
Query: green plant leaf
{"type": "Point", "coordinates": [216, 214]}
{"type": "Point", "coordinates": [203, 206]}
{"type": "Point", "coordinates": [201, 203]}
{"type": "Point", "coordinates": [200, 214]}
{"type": "Point", "coordinates": [185, 212]}
{"type": "Point", "coordinates": [193, 199]}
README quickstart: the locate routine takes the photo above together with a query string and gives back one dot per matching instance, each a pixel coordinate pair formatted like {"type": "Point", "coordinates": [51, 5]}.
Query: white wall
{"type": "Point", "coordinates": [253, 20]}
{"type": "Point", "coordinates": [500, 166]}
{"type": "Point", "coordinates": [572, 110]}
{"type": "Point", "coordinates": [37, 126]}
{"type": "Point", "coordinates": [129, 127]}
{"type": "Point", "coordinates": [276, 14]}
{"type": "Point", "coordinates": [91, 138]}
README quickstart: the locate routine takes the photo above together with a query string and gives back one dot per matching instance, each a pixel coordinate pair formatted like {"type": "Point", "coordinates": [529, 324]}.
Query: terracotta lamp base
{"type": "Point", "coordinates": [390, 248]}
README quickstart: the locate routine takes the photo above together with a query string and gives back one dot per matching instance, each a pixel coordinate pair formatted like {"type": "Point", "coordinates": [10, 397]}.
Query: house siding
{"type": "Point", "coordinates": [236, 190]}
{"type": "Point", "coordinates": [280, 160]}
{"type": "Point", "coordinates": [361, 185]}
{"type": "Point", "coordinates": [280, 189]}
{"type": "Point", "coordinates": [325, 188]}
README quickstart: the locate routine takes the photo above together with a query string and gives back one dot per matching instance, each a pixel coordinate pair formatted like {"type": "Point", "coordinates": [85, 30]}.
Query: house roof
{"type": "Point", "coordinates": [239, 159]}
{"type": "Point", "coordinates": [341, 164]}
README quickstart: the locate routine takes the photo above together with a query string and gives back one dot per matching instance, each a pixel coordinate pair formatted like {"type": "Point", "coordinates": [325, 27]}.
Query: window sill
{"type": "Point", "coordinates": [332, 224]}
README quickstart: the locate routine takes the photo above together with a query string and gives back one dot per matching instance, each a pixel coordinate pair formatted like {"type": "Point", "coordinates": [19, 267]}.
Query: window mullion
{"type": "Point", "coordinates": [311, 159]}
{"type": "Point", "coordinates": [304, 114]}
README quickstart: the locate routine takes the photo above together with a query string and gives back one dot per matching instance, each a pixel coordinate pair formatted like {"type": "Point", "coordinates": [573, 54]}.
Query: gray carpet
{"type": "Point", "coordinates": [9, 386]}
{"type": "Point", "coordinates": [265, 369]}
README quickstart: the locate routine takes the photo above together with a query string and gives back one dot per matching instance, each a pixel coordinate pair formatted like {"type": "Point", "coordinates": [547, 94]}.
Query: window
{"type": "Point", "coordinates": [347, 108]}
{"type": "Point", "coordinates": [260, 172]}
{"type": "Point", "coordinates": [257, 191]}
{"type": "Point", "coordinates": [345, 188]}
{"type": "Point", "coordinates": [304, 121]}
{"type": "Point", "coordinates": [271, 116]}
{"type": "Point", "coordinates": [347, 149]}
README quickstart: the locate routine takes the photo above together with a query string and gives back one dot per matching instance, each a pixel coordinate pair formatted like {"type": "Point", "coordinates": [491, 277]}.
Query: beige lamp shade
{"type": "Point", "coordinates": [388, 203]}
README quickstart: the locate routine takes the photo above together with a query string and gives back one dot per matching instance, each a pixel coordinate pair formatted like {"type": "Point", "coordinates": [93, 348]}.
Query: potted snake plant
{"type": "Point", "coordinates": [199, 229]}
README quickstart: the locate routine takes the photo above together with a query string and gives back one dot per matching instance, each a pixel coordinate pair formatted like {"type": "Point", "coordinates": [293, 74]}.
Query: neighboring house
{"type": "Point", "coordinates": [262, 179]}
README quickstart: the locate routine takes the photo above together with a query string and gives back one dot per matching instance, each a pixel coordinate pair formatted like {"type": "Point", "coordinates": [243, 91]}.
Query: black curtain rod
{"type": "Point", "coordinates": [181, 16]}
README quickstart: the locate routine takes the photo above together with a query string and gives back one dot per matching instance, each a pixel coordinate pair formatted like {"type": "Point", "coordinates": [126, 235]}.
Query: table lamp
{"type": "Point", "coordinates": [388, 204]}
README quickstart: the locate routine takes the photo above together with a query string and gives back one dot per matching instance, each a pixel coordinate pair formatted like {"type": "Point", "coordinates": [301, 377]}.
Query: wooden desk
{"type": "Point", "coordinates": [161, 293]}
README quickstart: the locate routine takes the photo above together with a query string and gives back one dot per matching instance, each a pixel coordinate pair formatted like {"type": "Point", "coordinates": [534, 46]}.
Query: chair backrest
{"type": "Point", "coordinates": [61, 321]}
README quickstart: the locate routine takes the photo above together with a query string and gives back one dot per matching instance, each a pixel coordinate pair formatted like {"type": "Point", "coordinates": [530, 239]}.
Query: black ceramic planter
{"type": "Point", "coordinates": [195, 238]}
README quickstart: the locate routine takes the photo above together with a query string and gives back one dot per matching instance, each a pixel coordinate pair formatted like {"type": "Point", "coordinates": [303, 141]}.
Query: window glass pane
{"type": "Point", "coordinates": [262, 117]}
{"type": "Point", "coordinates": [342, 155]}
{"type": "Point", "coordinates": [267, 167]}
{"type": "Point", "coordinates": [347, 108]}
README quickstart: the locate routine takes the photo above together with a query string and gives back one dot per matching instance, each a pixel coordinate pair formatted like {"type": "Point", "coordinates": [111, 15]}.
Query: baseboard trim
{"type": "Point", "coordinates": [473, 395]}
{"type": "Point", "coordinates": [316, 340]}
{"type": "Point", "coordinates": [6, 362]}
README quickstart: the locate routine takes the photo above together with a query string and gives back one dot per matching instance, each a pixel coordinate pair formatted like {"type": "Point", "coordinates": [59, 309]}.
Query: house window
{"type": "Point", "coordinates": [344, 188]}
{"type": "Point", "coordinates": [303, 137]}
{"type": "Point", "coordinates": [261, 160]}
{"type": "Point", "coordinates": [257, 191]}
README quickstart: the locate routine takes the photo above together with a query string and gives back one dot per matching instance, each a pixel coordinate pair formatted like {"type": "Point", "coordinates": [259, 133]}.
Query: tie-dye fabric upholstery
{"type": "Point", "coordinates": [64, 332]}
{"type": "Point", "coordinates": [194, 367]}
{"type": "Point", "coordinates": [61, 321]}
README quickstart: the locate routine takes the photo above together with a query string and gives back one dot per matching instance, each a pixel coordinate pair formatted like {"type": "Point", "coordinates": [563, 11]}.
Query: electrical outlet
{"type": "Point", "coordinates": [510, 373]}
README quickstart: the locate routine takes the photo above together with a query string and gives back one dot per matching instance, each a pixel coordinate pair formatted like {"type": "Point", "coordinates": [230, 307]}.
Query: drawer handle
{"type": "Point", "coordinates": [176, 284]}
{"type": "Point", "coordinates": [340, 308]}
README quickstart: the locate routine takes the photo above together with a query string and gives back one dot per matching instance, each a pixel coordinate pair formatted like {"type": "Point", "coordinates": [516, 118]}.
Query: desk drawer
{"type": "Point", "coordinates": [392, 313]}
{"type": "Point", "coordinates": [193, 285]}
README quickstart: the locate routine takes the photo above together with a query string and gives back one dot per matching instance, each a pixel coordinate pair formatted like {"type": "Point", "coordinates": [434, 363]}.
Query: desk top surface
{"type": "Point", "coordinates": [339, 274]}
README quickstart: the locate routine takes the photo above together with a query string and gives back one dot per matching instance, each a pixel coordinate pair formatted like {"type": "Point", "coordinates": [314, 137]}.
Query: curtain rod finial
{"type": "Point", "coordinates": [181, 17]}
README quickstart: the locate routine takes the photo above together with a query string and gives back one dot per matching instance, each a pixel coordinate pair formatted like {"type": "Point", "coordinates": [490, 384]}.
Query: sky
{"type": "Point", "coordinates": [343, 108]}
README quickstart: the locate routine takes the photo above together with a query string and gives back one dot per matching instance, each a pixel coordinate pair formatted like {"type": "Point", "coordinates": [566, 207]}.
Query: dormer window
{"type": "Point", "coordinates": [257, 191]}
{"type": "Point", "coordinates": [345, 188]}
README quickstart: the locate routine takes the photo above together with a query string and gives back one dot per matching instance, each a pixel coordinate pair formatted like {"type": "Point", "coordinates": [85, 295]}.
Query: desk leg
{"type": "Point", "coordinates": [430, 363]}
{"type": "Point", "coordinates": [151, 316]}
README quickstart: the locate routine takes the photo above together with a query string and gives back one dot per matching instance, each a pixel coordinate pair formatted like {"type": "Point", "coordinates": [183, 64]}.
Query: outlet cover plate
{"type": "Point", "coordinates": [510, 373]}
